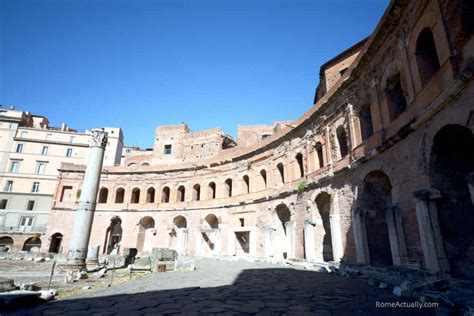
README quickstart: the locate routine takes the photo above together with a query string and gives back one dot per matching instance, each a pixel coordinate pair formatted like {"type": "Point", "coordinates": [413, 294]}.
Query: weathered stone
{"type": "Point", "coordinates": [6, 285]}
{"type": "Point", "coordinates": [164, 254]}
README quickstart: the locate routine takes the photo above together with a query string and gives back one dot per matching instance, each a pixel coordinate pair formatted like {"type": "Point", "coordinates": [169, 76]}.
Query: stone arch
{"type": "Point", "coordinates": [426, 55]}
{"type": "Point", "coordinates": [246, 182]}
{"type": "Point", "coordinates": [55, 243]}
{"type": "Point", "coordinates": [228, 187]}
{"type": "Point", "coordinates": [323, 204]}
{"type": "Point", "coordinates": [300, 163]}
{"type": "Point", "coordinates": [212, 190]}
{"type": "Point", "coordinates": [135, 196]}
{"type": "Point", "coordinates": [342, 141]}
{"type": "Point", "coordinates": [113, 236]}
{"type": "Point", "coordinates": [318, 148]}
{"type": "Point", "coordinates": [212, 221]}
{"type": "Point", "coordinates": [7, 242]}
{"type": "Point", "coordinates": [451, 172]}
{"type": "Point", "coordinates": [365, 121]}
{"type": "Point", "coordinates": [181, 193]}
{"type": "Point", "coordinates": [120, 195]}
{"type": "Point", "coordinates": [145, 164]}
{"type": "Point", "coordinates": [285, 232]}
{"type": "Point", "coordinates": [146, 230]}
{"type": "Point", "coordinates": [196, 192]}
{"type": "Point", "coordinates": [32, 244]}
{"type": "Point", "coordinates": [179, 234]}
{"type": "Point", "coordinates": [180, 222]}
{"type": "Point", "coordinates": [395, 88]}
{"type": "Point", "coordinates": [103, 195]}
{"type": "Point", "coordinates": [165, 195]}
{"type": "Point", "coordinates": [150, 195]}
{"type": "Point", "coordinates": [263, 175]}
{"type": "Point", "coordinates": [281, 171]}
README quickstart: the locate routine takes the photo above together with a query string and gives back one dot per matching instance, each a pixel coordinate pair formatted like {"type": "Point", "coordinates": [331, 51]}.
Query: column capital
{"type": "Point", "coordinates": [427, 194]}
{"type": "Point", "coordinates": [99, 138]}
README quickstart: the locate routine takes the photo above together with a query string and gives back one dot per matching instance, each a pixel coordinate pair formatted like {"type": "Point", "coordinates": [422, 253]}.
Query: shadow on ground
{"type": "Point", "coordinates": [255, 291]}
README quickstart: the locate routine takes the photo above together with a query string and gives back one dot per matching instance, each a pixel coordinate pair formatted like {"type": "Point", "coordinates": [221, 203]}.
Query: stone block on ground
{"type": "Point", "coordinates": [29, 287]}
{"type": "Point", "coordinates": [185, 265]}
{"type": "Point", "coordinates": [164, 254]}
{"type": "Point", "coordinates": [6, 285]}
{"type": "Point", "coordinates": [17, 298]}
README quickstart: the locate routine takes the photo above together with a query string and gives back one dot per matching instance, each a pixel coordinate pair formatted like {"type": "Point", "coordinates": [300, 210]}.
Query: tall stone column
{"type": "Point", "coordinates": [360, 236]}
{"type": "Point", "coordinates": [430, 232]}
{"type": "Point", "coordinates": [76, 256]}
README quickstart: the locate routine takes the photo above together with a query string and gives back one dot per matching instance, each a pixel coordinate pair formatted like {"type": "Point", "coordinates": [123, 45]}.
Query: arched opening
{"type": "Point", "coordinates": [281, 171]}
{"type": "Point", "coordinates": [209, 233]}
{"type": "Point", "coordinates": [286, 234]}
{"type": "Point", "coordinates": [426, 55]}
{"type": "Point", "coordinates": [212, 190]}
{"type": "Point", "coordinates": [342, 141]}
{"type": "Point", "coordinates": [376, 199]}
{"type": "Point", "coordinates": [55, 243]}
{"type": "Point", "coordinates": [165, 195]}
{"type": "Point", "coordinates": [32, 244]}
{"type": "Point", "coordinates": [196, 192]}
{"type": "Point", "coordinates": [451, 161]}
{"type": "Point", "coordinates": [145, 234]}
{"type": "Point", "coordinates": [180, 222]}
{"type": "Point", "coordinates": [119, 195]}
{"type": "Point", "coordinates": [323, 203]}
{"type": "Point", "coordinates": [263, 173]}
{"type": "Point", "coordinates": [319, 155]}
{"type": "Point", "coordinates": [135, 198]}
{"type": "Point", "coordinates": [145, 164]}
{"type": "Point", "coordinates": [6, 242]}
{"type": "Point", "coordinates": [365, 120]}
{"type": "Point", "coordinates": [103, 194]}
{"type": "Point", "coordinates": [228, 187]}
{"type": "Point", "coordinates": [113, 236]}
{"type": "Point", "coordinates": [299, 161]}
{"type": "Point", "coordinates": [150, 195]}
{"type": "Point", "coordinates": [246, 184]}
{"type": "Point", "coordinates": [396, 100]}
{"type": "Point", "coordinates": [179, 234]}
{"type": "Point", "coordinates": [212, 221]}
{"type": "Point", "coordinates": [181, 193]}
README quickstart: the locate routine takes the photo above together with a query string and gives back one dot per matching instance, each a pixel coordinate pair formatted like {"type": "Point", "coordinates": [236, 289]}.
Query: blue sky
{"type": "Point", "coordinates": [138, 64]}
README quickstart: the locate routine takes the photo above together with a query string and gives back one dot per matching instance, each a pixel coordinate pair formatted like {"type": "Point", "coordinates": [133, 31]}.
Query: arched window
{"type": "Point", "coordinates": [119, 195]}
{"type": "Point", "coordinates": [212, 190]}
{"type": "Point", "coordinates": [319, 154]}
{"type": "Point", "coordinates": [181, 193]}
{"type": "Point", "coordinates": [135, 196]}
{"type": "Point", "coordinates": [103, 194]}
{"type": "Point", "coordinates": [165, 195]}
{"type": "Point", "coordinates": [281, 170]}
{"type": "Point", "coordinates": [150, 195]}
{"type": "Point", "coordinates": [228, 186]}
{"type": "Point", "coordinates": [196, 192]}
{"type": "Point", "coordinates": [246, 184]}
{"type": "Point", "coordinates": [342, 141]}
{"type": "Point", "coordinates": [396, 100]}
{"type": "Point", "coordinates": [299, 160]}
{"type": "Point", "coordinates": [365, 119]}
{"type": "Point", "coordinates": [263, 173]}
{"type": "Point", "coordinates": [426, 55]}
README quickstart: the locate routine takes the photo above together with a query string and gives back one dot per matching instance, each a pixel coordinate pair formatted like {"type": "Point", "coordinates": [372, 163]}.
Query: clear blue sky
{"type": "Point", "coordinates": [137, 64]}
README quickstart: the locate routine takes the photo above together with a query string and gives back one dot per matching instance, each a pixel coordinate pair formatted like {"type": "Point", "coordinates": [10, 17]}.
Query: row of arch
{"type": "Point", "coordinates": [31, 244]}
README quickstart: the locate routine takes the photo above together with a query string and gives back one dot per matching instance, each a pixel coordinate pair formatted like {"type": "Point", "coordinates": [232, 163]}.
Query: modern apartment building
{"type": "Point", "coordinates": [31, 152]}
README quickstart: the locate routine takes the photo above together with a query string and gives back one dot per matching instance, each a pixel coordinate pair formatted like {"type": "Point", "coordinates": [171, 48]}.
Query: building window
{"type": "Point", "coordinates": [265, 136]}
{"type": "Point", "coordinates": [25, 224]}
{"type": "Point", "coordinates": [165, 195]}
{"type": "Point", "coordinates": [19, 148]}
{"type": "Point", "coordinates": [342, 71]}
{"type": "Point", "coordinates": [44, 151]}
{"type": "Point", "coordinates": [319, 154]}
{"type": "Point", "coordinates": [71, 139]}
{"type": "Point", "coordinates": [15, 165]}
{"type": "Point", "coordinates": [8, 186]}
{"type": "Point", "coordinates": [365, 120]}
{"type": "Point", "coordinates": [69, 152]}
{"type": "Point", "coordinates": [24, 134]}
{"type": "Point", "coordinates": [299, 160]}
{"type": "Point", "coordinates": [397, 102]}
{"type": "Point", "coordinates": [342, 141]}
{"type": "Point", "coordinates": [3, 204]}
{"type": "Point", "coordinates": [40, 167]}
{"type": "Point", "coordinates": [181, 194]}
{"type": "Point", "coordinates": [228, 187]}
{"type": "Point", "coordinates": [48, 136]}
{"type": "Point", "coordinates": [167, 149]}
{"type": "Point", "coordinates": [426, 55]}
{"type": "Point", "coordinates": [35, 187]}
{"type": "Point", "coordinates": [212, 190]}
{"type": "Point", "coordinates": [30, 206]}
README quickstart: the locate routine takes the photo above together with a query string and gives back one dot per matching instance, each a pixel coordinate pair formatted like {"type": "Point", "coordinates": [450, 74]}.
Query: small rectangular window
{"type": "Point", "coordinates": [30, 206]}
{"type": "Point", "coordinates": [19, 148]}
{"type": "Point", "coordinates": [35, 187]}
{"type": "Point", "coordinates": [40, 167]}
{"type": "Point", "coordinates": [14, 166]}
{"type": "Point", "coordinates": [3, 204]}
{"type": "Point", "coordinates": [167, 149]}
{"type": "Point", "coordinates": [242, 222]}
{"type": "Point", "coordinates": [24, 134]}
{"type": "Point", "coordinates": [8, 186]}
{"type": "Point", "coordinates": [44, 151]}
{"type": "Point", "coordinates": [71, 139]}
{"type": "Point", "coordinates": [69, 152]}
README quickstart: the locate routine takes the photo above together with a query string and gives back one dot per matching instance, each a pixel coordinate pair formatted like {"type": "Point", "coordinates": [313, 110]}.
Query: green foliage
{"type": "Point", "coordinates": [302, 186]}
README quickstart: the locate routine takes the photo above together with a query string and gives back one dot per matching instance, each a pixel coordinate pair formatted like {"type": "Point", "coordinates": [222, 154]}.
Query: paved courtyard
{"type": "Point", "coordinates": [232, 288]}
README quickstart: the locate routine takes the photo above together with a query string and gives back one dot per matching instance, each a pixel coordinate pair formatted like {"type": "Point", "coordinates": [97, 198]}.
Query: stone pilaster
{"type": "Point", "coordinates": [360, 236]}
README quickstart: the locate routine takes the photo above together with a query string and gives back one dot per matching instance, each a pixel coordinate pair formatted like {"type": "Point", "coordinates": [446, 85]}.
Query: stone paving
{"type": "Point", "coordinates": [232, 288]}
